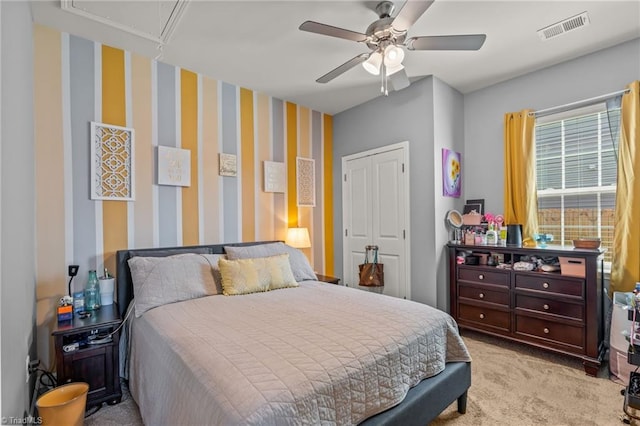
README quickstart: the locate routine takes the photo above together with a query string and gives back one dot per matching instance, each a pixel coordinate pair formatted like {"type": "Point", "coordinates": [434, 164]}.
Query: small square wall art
{"type": "Point", "coordinates": [451, 173]}
{"type": "Point", "coordinates": [174, 166]}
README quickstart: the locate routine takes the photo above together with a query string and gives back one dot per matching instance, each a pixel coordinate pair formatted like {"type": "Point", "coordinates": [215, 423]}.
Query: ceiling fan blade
{"type": "Point", "coordinates": [409, 14]}
{"type": "Point", "coordinates": [453, 42]}
{"type": "Point", "coordinates": [343, 68]}
{"type": "Point", "coordinates": [318, 28]}
{"type": "Point", "coordinates": [399, 80]}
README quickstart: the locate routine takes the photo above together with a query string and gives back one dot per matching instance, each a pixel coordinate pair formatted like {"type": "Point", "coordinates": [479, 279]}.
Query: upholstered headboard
{"type": "Point", "coordinates": [124, 292]}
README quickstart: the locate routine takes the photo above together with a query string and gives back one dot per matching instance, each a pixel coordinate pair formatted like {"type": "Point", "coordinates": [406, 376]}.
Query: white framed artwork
{"type": "Point", "coordinates": [306, 181]}
{"type": "Point", "coordinates": [112, 162]}
{"type": "Point", "coordinates": [275, 178]}
{"type": "Point", "coordinates": [227, 164]}
{"type": "Point", "coordinates": [174, 166]}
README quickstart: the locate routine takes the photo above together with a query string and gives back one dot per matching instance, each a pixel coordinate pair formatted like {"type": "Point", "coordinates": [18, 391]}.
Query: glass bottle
{"type": "Point", "coordinates": [92, 292]}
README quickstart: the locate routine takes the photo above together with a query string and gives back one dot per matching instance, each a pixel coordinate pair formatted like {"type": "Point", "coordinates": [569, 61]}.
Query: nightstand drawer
{"type": "Point", "coordinates": [485, 316]}
{"type": "Point", "coordinates": [550, 284]}
{"type": "Point", "coordinates": [550, 330]}
{"type": "Point", "coordinates": [484, 294]}
{"type": "Point", "coordinates": [550, 306]}
{"type": "Point", "coordinates": [483, 276]}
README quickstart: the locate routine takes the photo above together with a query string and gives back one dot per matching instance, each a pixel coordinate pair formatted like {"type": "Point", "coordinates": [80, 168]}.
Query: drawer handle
{"type": "Point", "coordinates": [546, 331]}
{"type": "Point", "coordinates": [481, 295]}
{"type": "Point", "coordinates": [545, 285]}
{"type": "Point", "coordinates": [481, 316]}
{"type": "Point", "coordinates": [481, 277]}
{"type": "Point", "coordinates": [546, 307]}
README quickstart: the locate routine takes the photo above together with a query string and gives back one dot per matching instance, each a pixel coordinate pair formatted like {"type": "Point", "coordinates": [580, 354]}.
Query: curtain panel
{"type": "Point", "coordinates": [625, 266]}
{"type": "Point", "coordinates": [520, 196]}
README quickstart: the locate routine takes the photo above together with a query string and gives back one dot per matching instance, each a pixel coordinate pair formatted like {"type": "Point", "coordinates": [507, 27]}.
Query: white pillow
{"type": "Point", "coordinates": [161, 280]}
{"type": "Point", "coordinates": [300, 266]}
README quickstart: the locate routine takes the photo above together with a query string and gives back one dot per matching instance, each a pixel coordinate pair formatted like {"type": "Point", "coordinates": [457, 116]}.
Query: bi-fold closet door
{"type": "Point", "coordinates": [375, 212]}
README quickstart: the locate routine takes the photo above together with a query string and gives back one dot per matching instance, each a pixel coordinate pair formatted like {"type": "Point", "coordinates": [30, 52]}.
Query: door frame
{"type": "Point", "coordinates": [404, 146]}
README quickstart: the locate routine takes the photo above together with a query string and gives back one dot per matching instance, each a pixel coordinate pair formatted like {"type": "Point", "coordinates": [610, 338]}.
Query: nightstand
{"type": "Point", "coordinates": [83, 354]}
{"type": "Point", "coordinates": [328, 279]}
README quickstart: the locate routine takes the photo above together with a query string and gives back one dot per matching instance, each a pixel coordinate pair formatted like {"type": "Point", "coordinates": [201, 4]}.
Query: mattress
{"type": "Point", "coordinates": [315, 354]}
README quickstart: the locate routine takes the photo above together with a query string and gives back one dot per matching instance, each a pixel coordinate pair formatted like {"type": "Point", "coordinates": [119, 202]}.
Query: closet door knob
{"type": "Point", "coordinates": [481, 295]}
{"type": "Point", "coordinates": [545, 285]}
{"type": "Point", "coordinates": [546, 331]}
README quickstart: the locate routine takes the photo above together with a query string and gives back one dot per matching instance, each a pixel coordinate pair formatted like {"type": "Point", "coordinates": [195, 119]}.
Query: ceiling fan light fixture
{"type": "Point", "coordinates": [393, 56]}
{"type": "Point", "coordinates": [394, 70]}
{"type": "Point", "coordinates": [372, 65]}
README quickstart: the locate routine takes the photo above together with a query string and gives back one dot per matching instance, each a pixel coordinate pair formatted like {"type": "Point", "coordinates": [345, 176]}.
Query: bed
{"type": "Point", "coordinates": [316, 353]}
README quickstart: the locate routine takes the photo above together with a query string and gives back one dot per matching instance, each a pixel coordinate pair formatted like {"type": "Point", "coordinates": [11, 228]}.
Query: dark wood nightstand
{"type": "Point", "coordinates": [328, 279]}
{"type": "Point", "coordinates": [78, 360]}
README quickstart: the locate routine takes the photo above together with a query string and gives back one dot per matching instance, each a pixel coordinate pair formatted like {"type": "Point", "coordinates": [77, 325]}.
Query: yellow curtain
{"type": "Point", "coordinates": [625, 266]}
{"type": "Point", "coordinates": [520, 198]}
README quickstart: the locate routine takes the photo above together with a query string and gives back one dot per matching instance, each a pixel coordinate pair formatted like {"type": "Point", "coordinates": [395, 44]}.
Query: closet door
{"type": "Point", "coordinates": [374, 212]}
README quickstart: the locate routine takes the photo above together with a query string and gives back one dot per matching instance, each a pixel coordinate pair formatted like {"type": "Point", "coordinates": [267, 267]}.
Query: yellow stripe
{"type": "Point", "coordinates": [292, 151]}
{"type": "Point", "coordinates": [211, 202]}
{"type": "Point", "coordinates": [305, 214]}
{"type": "Point", "coordinates": [328, 193]}
{"type": "Point", "coordinates": [141, 99]}
{"type": "Point", "coordinates": [189, 140]}
{"type": "Point", "coordinates": [264, 210]}
{"type": "Point", "coordinates": [248, 168]}
{"type": "Point", "coordinates": [114, 213]}
{"type": "Point", "coordinates": [49, 161]}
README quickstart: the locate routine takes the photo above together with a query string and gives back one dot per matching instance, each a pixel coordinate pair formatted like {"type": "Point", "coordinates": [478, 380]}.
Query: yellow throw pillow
{"type": "Point", "coordinates": [244, 276]}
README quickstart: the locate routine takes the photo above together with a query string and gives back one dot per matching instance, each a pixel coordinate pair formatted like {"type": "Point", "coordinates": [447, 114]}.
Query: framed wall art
{"type": "Point", "coordinates": [227, 164]}
{"type": "Point", "coordinates": [306, 181]}
{"type": "Point", "coordinates": [174, 166]}
{"type": "Point", "coordinates": [451, 173]}
{"type": "Point", "coordinates": [274, 177]}
{"type": "Point", "coordinates": [112, 162]}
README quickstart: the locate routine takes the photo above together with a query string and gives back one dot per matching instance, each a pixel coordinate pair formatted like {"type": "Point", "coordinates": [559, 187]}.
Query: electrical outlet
{"type": "Point", "coordinates": [73, 270]}
{"type": "Point", "coordinates": [26, 367]}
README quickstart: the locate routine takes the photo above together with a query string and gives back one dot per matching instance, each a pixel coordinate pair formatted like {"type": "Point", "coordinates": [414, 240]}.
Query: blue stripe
{"type": "Point", "coordinates": [167, 219]}
{"type": "Point", "coordinates": [230, 190]}
{"type": "Point", "coordinates": [316, 154]}
{"type": "Point", "coordinates": [81, 99]}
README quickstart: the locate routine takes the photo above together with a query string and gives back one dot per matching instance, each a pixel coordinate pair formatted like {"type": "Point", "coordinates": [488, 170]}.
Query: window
{"type": "Point", "coordinates": [576, 171]}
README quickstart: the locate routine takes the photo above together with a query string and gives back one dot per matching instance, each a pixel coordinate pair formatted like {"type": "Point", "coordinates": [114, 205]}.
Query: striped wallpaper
{"type": "Point", "coordinates": [78, 81]}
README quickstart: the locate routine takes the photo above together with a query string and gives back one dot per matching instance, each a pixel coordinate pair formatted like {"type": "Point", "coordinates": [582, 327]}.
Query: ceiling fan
{"type": "Point", "coordinates": [386, 37]}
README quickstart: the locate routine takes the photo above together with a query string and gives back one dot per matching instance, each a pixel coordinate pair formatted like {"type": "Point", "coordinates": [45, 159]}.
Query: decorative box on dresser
{"type": "Point", "coordinates": [551, 310]}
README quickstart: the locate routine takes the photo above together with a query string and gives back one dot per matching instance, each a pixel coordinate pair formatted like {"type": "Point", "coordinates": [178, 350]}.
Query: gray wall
{"type": "Point", "coordinates": [592, 75]}
{"type": "Point", "coordinates": [17, 219]}
{"type": "Point", "coordinates": [408, 115]}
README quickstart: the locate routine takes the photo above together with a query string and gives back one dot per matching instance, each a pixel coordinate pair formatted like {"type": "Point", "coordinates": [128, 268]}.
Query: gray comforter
{"type": "Point", "coordinates": [316, 354]}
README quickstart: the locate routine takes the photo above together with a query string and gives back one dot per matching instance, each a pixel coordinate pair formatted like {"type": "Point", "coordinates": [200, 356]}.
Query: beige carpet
{"type": "Point", "coordinates": [511, 385]}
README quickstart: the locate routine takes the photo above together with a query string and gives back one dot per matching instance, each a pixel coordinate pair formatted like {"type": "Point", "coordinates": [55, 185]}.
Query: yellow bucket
{"type": "Point", "coordinates": [63, 405]}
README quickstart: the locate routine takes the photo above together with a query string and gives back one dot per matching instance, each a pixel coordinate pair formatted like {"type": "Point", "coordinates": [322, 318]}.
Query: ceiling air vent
{"type": "Point", "coordinates": [565, 26]}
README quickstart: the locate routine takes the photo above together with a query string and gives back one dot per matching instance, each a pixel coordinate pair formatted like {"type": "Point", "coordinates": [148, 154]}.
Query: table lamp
{"type": "Point", "coordinates": [298, 238]}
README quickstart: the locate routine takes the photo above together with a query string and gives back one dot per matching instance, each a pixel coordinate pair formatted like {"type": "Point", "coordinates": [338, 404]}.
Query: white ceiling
{"type": "Point", "coordinates": [257, 44]}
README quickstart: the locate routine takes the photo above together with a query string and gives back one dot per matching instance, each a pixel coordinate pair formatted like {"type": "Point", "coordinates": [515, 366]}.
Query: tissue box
{"type": "Point", "coordinates": [65, 313]}
{"type": "Point", "coordinates": [572, 266]}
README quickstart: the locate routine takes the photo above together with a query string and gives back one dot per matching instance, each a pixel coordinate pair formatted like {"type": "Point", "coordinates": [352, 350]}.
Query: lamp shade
{"type": "Point", "coordinates": [298, 238]}
{"type": "Point", "coordinates": [372, 65]}
{"type": "Point", "coordinates": [393, 56]}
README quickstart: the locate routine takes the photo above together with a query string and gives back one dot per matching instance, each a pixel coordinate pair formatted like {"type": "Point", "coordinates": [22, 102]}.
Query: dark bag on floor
{"type": "Point", "coordinates": [371, 274]}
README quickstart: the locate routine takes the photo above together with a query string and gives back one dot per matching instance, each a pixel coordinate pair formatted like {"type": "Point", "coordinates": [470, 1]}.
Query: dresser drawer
{"type": "Point", "coordinates": [484, 294]}
{"type": "Point", "coordinates": [485, 316]}
{"type": "Point", "coordinates": [550, 306]}
{"type": "Point", "coordinates": [484, 276]}
{"type": "Point", "coordinates": [550, 284]}
{"type": "Point", "coordinates": [550, 330]}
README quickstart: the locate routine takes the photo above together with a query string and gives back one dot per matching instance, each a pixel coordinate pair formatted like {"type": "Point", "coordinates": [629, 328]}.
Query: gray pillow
{"type": "Point", "coordinates": [161, 280]}
{"type": "Point", "coordinates": [300, 266]}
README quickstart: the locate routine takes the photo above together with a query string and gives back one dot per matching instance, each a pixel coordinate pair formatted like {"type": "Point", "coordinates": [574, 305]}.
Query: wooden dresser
{"type": "Point", "coordinates": [551, 310]}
